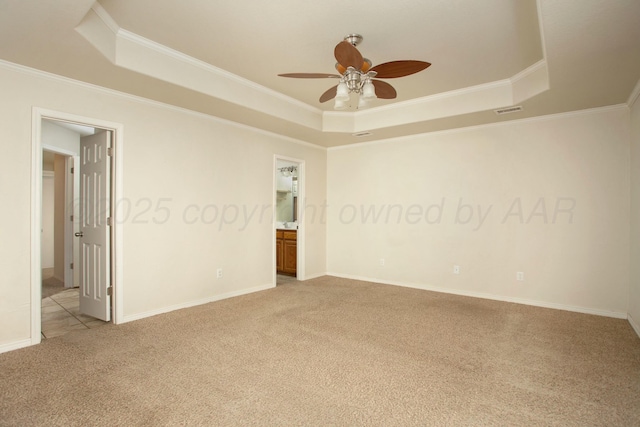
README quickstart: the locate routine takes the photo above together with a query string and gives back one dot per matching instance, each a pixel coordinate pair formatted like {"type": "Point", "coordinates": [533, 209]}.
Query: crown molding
{"type": "Point", "coordinates": [100, 30]}
{"type": "Point", "coordinates": [635, 94]}
{"type": "Point", "coordinates": [545, 118]}
{"type": "Point", "coordinates": [146, 101]}
{"type": "Point", "coordinates": [488, 96]}
{"type": "Point", "coordinates": [105, 17]}
{"type": "Point", "coordinates": [215, 71]}
{"type": "Point", "coordinates": [530, 82]}
{"type": "Point", "coordinates": [459, 101]}
{"type": "Point", "coordinates": [131, 51]}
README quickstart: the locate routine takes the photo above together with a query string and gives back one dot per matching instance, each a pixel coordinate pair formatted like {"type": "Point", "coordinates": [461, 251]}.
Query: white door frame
{"type": "Point", "coordinates": [38, 114]}
{"type": "Point", "coordinates": [300, 243]}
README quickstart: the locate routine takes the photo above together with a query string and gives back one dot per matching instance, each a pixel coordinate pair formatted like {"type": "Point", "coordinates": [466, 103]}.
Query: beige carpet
{"type": "Point", "coordinates": [333, 352]}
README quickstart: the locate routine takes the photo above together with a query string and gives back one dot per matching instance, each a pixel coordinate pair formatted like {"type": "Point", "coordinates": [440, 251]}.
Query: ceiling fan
{"type": "Point", "coordinates": [357, 75]}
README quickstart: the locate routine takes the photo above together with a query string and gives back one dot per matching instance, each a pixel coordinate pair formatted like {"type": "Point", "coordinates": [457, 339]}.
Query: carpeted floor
{"type": "Point", "coordinates": [333, 351]}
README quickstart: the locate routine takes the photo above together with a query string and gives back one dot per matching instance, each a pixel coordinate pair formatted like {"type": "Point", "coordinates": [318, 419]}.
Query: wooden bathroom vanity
{"type": "Point", "coordinates": [286, 251]}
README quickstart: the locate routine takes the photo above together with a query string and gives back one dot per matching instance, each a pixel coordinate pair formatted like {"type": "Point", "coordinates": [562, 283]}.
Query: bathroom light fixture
{"type": "Point", "coordinates": [289, 171]}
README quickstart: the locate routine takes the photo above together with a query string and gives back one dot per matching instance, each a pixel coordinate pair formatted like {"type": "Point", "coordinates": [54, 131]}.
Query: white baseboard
{"type": "Point", "coordinates": [314, 276]}
{"type": "Point", "coordinates": [15, 345]}
{"type": "Point", "coordinates": [214, 298]}
{"type": "Point", "coordinates": [544, 304]}
{"type": "Point", "coordinates": [634, 325]}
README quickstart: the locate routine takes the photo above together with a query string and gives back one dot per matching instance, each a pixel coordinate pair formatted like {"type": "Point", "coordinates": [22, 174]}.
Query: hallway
{"type": "Point", "coordinates": [61, 314]}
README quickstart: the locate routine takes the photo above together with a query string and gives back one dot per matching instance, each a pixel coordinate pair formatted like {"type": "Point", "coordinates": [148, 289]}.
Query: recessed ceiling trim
{"type": "Point", "coordinates": [100, 30]}
{"type": "Point", "coordinates": [217, 73]}
{"type": "Point", "coordinates": [333, 121]}
{"type": "Point", "coordinates": [635, 95]}
{"type": "Point", "coordinates": [468, 100]}
{"type": "Point", "coordinates": [133, 52]}
{"type": "Point", "coordinates": [105, 17]}
{"type": "Point", "coordinates": [524, 85]}
{"type": "Point", "coordinates": [530, 82]}
{"type": "Point", "coordinates": [144, 56]}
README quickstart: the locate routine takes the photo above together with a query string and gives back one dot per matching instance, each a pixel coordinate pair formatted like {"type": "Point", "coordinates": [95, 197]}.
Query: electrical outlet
{"type": "Point", "coordinates": [456, 269]}
{"type": "Point", "coordinates": [219, 273]}
{"type": "Point", "coordinates": [520, 276]}
{"type": "Point", "coordinates": [382, 262]}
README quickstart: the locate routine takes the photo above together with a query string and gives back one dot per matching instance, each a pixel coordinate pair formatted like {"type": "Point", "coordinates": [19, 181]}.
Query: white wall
{"type": "Point", "coordinates": [54, 135]}
{"type": "Point", "coordinates": [634, 294]}
{"type": "Point", "coordinates": [188, 163]}
{"type": "Point", "coordinates": [577, 259]}
{"type": "Point", "coordinates": [59, 216]}
{"type": "Point", "coordinates": [48, 223]}
{"type": "Point", "coordinates": [548, 197]}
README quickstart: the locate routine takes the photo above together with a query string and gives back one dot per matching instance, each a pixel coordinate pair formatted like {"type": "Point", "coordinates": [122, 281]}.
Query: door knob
{"type": "Point", "coordinates": [79, 234]}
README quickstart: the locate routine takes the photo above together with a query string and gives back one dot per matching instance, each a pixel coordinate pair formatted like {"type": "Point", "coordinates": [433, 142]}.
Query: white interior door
{"type": "Point", "coordinates": [94, 234]}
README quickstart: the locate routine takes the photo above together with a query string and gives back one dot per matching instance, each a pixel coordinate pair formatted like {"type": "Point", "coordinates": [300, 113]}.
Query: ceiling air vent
{"type": "Point", "coordinates": [508, 110]}
{"type": "Point", "coordinates": [361, 134]}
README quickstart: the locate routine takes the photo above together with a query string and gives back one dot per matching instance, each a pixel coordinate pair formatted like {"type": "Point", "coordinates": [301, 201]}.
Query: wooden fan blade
{"type": "Point", "coordinates": [329, 94]}
{"type": "Point", "coordinates": [348, 56]}
{"type": "Point", "coordinates": [309, 75]}
{"type": "Point", "coordinates": [393, 69]}
{"type": "Point", "coordinates": [384, 90]}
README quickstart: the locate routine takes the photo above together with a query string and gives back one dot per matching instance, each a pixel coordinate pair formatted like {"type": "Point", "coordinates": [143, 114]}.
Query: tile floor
{"type": "Point", "coordinates": [281, 279]}
{"type": "Point", "coordinates": [61, 314]}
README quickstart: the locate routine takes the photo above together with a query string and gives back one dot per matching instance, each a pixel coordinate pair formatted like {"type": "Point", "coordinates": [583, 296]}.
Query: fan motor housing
{"type": "Point", "coordinates": [354, 39]}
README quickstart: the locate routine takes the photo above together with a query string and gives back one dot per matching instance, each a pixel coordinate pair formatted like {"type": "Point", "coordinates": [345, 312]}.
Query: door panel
{"type": "Point", "coordinates": [94, 210]}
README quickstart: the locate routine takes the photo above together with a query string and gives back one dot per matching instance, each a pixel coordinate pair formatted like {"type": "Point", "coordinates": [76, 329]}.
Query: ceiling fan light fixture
{"type": "Point", "coordinates": [342, 94]}
{"type": "Point", "coordinates": [340, 105]}
{"type": "Point", "coordinates": [366, 65]}
{"type": "Point", "coordinates": [368, 90]}
{"type": "Point", "coordinates": [356, 75]}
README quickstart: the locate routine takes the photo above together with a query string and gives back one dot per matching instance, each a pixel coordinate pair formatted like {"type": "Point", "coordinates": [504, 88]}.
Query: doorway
{"type": "Point", "coordinates": [71, 139]}
{"type": "Point", "coordinates": [57, 205]}
{"type": "Point", "coordinates": [289, 241]}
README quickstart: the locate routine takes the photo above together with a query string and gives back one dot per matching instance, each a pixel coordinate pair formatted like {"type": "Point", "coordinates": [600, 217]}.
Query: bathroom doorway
{"type": "Point", "coordinates": [288, 221]}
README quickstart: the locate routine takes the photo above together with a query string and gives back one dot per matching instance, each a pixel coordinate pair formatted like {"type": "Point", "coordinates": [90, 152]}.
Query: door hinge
{"type": "Point", "coordinates": [71, 266]}
{"type": "Point", "coordinates": [109, 221]}
{"type": "Point", "coordinates": [72, 170]}
{"type": "Point", "coordinates": [110, 291]}
{"type": "Point", "coordinates": [109, 151]}
{"type": "Point", "coordinates": [71, 218]}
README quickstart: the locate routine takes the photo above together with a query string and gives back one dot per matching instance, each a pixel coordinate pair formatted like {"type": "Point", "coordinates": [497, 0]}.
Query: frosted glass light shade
{"type": "Point", "coordinates": [368, 90]}
{"type": "Point", "coordinates": [340, 105]}
{"type": "Point", "coordinates": [342, 94]}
